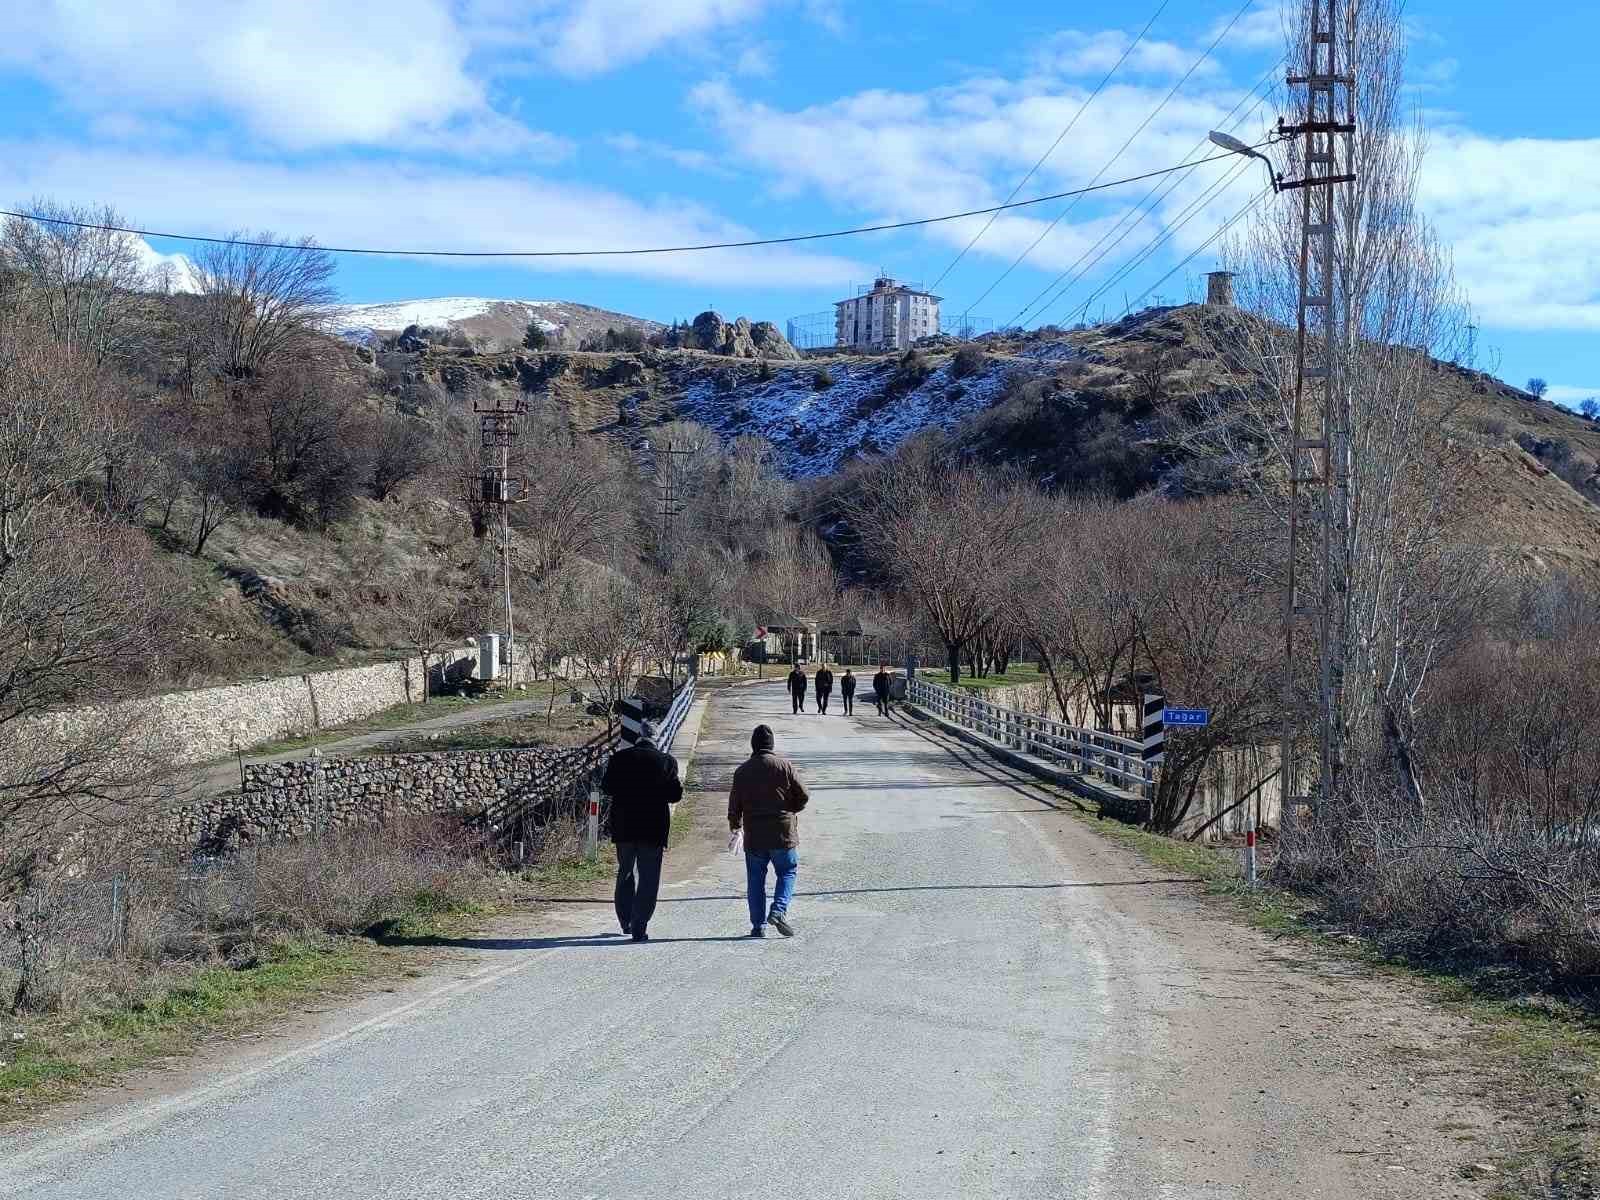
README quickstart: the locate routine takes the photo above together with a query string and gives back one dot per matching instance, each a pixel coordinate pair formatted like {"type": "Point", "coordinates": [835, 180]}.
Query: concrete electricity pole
{"type": "Point", "coordinates": [498, 424]}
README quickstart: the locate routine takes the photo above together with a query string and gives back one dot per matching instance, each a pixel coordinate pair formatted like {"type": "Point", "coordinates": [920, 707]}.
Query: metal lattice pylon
{"type": "Point", "coordinates": [1318, 434]}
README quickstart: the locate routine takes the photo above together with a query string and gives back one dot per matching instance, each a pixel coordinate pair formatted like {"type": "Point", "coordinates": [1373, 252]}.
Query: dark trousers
{"type": "Point", "coordinates": [636, 899]}
{"type": "Point", "coordinates": [849, 699]}
{"type": "Point", "coordinates": [882, 702]}
{"type": "Point", "coordinates": [822, 701]}
{"type": "Point", "coordinates": [799, 699]}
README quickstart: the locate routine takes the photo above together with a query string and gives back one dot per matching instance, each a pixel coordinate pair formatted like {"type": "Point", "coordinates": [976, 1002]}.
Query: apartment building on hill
{"type": "Point", "coordinates": [891, 316]}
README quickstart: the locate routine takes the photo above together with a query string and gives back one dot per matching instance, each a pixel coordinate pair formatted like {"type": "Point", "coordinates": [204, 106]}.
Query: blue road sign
{"type": "Point", "coordinates": [1191, 718]}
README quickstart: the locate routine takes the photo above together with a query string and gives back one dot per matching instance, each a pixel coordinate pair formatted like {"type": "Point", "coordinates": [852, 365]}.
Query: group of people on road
{"type": "Point", "coordinates": [823, 682]}
{"type": "Point", "coordinates": [764, 806]}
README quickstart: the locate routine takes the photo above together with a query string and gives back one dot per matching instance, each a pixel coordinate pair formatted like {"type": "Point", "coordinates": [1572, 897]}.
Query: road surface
{"type": "Point", "coordinates": [984, 999]}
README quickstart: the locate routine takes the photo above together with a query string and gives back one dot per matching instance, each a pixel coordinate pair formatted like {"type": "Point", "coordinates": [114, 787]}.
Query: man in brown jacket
{"type": "Point", "coordinates": [765, 801]}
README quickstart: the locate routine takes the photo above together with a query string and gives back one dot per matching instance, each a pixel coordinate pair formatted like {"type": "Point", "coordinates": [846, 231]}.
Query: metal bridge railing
{"type": "Point", "coordinates": [1086, 751]}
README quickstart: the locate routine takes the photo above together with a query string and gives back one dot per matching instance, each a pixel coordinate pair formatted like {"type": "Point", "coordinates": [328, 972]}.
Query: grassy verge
{"type": "Point", "coordinates": [568, 725]}
{"type": "Point", "coordinates": [1543, 1053]}
{"type": "Point", "coordinates": [1017, 675]}
{"type": "Point", "coordinates": [398, 716]}
{"type": "Point", "coordinates": [59, 1056]}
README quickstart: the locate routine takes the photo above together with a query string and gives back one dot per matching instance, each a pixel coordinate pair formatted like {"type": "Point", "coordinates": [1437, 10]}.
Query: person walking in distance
{"type": "Point", "coordinates": [847, 691]}
{"type": "Point", "coordinates": [880, 689]}
{"type": "Point", "coordinates": [797, 689]}
{"type": "Point", "coordinates": [824, 687]}
{"type": "Point", "coordinates": [643, 785]}
{"type": "Point", "coordinates": [765, 802]}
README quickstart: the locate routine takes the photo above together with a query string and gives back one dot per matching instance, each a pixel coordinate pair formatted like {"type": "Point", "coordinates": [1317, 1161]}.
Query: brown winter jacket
{"type": "Point", "coordinates": [764, 801]}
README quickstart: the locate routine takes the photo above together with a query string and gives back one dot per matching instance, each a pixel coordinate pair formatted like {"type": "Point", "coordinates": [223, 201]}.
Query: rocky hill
{"type": "Point", "coordinates": [488, 323]}
{"type": "Point", "coordinates": [1073, 409]}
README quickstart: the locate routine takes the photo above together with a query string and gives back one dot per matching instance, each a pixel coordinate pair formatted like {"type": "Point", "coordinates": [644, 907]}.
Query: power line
{"type": "Point", "coordinates": [1203, 246]}
{"type": "Point", "coordinates": [1151, 201]}
{"type": "Point", "coordinates": [1149, 249]}
{"type": "Point", "coordinates": [1132, 137]}
{"type": "Point", "coordinates": [770, 241]}
{"type": "Point", "coordinates": [1060, 137]}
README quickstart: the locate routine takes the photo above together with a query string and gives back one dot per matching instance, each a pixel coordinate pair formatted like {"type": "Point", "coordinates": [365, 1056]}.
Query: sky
{"type": "Point", "coordinates": [563, 124]}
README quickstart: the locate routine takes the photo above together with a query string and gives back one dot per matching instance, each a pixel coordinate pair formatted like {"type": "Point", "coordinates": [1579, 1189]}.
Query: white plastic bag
{"type": "Point", "coordinates": [734, 839]}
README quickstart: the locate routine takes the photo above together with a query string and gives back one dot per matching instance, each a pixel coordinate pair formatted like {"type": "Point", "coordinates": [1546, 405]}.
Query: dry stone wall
{"type": "Point", "coordinates": [296, 799]}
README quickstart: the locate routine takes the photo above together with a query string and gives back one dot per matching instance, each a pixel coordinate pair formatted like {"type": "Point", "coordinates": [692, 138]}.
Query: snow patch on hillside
{"type": "Point", "coordinates": [816, 432]}
{"type": "Point", "coordinates": [438, 311]}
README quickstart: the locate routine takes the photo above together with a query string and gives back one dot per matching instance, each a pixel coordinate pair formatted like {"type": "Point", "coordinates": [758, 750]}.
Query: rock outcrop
{"type": "Point", "coordinates": [740, 339]}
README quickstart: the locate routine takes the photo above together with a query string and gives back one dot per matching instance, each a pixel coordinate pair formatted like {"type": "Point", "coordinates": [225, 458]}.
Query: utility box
{"type": "Point", "coordinates": [489, 656]}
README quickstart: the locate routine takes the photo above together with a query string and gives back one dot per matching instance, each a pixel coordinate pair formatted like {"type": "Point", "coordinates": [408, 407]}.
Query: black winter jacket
{"type": "Point", "coordinates": [643, 785]}
{"type": "Point", "coordinates": [880, 683]}
{"type": "Point", "coordinates": [824, 679]}
{"type": "Point", "coordinates": [797, 682]}
{"type": "Point", "coordinates": [847, 685]}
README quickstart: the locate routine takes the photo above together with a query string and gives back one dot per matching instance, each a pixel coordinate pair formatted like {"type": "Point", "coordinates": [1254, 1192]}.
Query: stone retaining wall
{"type": "Point", "coordinates": [294, 799]}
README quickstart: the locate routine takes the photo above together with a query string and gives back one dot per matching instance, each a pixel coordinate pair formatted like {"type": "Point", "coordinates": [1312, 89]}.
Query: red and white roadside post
{"type": "Point", "coordinates": [592, 842]}
{"type": "Point", "coordinates": [1250, 855]}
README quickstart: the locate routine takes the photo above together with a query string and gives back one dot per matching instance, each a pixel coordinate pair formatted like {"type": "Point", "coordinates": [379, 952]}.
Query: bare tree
{"type": "Point", "coordinates": [949, 535]}
{"type": "Point", "coordinates": [83, 276]}
{"type": "Point", "coordinates": [430, 616]}
{"type": "Point", "coordinates": [258, 301]}
{"type": "Point", "coordinates": [1403, 585]}
{"type": "Point", "coordinates": [613, 630]}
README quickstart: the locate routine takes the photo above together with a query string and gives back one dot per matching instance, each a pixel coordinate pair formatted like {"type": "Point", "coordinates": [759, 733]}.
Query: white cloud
{"type": "Point", "coordinates": [1522, 216]}
{"type": "Point", "coordinates": [298, 74]}
{"type": "Point", "coordinates": [588, 37]}
{"type": "Point", "coordinates": [897, 156]}
{"type": "Point", "coordinates": [755, 62]}
{"type": "Point", "coordinates": [1074, 52]}
{"type": "Point", "coordinates": [1262, 28]}
{"type": "Point", "coordinates": [175, 271]}
{"type": "Point", "coordinates": [641, 149]}
{"type": "Point", "coordinates": [411, 205]}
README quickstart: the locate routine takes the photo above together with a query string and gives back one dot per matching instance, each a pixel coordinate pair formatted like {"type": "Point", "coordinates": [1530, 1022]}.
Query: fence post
{"type": "Point", "coordinates": [591, 848]}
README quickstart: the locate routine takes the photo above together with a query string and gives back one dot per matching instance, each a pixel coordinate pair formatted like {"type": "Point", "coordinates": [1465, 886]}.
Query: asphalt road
{"type": "Point", "coordinates": [983, 1000]}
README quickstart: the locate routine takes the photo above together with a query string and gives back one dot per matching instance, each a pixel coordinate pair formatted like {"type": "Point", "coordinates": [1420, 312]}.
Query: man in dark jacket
{"type": "Point", "coordinates": [643, 785]}
{"type": "Point", "coordinates": [797, 689]}
{"type": "Point", "coordinates": [764, 801]}
{"type": "Point", "coordinates": [847, 691]}
{"type": "Point", "coordinates": [824, 687]}
{"type": "Point", "coordinates": [880, 689]}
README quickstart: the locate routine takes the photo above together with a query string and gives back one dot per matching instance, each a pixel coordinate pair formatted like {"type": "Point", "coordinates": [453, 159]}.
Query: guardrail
{"type": "Point", "coordinates": [1087, 751]}
{"type": "Point", "coordinates": [673, 721]}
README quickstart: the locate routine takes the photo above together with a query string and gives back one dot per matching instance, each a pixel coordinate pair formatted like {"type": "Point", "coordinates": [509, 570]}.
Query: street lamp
{"type": "Point", "coordinates": [1234, 146]}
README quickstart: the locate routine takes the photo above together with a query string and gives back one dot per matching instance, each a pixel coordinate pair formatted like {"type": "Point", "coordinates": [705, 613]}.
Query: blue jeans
{"type": "Point", "coordinates": [785, 863]}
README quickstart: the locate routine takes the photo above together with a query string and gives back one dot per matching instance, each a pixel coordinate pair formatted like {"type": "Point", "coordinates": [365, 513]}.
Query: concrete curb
{"type": "Point", "coordinates": [1113, 801]}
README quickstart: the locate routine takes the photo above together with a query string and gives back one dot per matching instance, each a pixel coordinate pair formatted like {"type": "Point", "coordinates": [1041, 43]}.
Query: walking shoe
{"type": "Point", "coordinates": [641, 936]}
{"type": "Point", "coordinates": [780, 922]}
{"type": "Point", "coordinates": [758, 931]}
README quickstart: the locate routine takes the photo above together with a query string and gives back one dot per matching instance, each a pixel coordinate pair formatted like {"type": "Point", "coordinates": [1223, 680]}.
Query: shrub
{"type": "Point", "coordinates": [535, 337]}
{"type": "Point", "coordinates": [969, 360]}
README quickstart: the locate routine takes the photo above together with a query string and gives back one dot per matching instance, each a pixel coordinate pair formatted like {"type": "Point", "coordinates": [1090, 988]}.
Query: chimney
{"type": "Point", "coordinates": [1219, 289]}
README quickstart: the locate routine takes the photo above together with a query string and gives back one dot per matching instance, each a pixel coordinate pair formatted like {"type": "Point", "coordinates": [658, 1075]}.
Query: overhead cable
{"type": "Point", "coordinates": [613, 253]}
{"type": "Point", "coordinates": [1060, 137]}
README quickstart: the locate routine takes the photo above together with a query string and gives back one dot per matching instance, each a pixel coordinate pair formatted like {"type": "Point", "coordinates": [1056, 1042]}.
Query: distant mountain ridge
{"type": "Point", "coordinates": [495, 323]}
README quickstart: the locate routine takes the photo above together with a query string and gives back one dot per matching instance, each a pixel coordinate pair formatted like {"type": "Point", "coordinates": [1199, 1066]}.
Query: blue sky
{"type": "Point", "coordinates": [482, 124]}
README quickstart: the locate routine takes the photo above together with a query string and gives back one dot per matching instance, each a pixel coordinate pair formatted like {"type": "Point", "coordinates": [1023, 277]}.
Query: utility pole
{"type": "Point", "coordinates": [669, 496]}
{"type": "Point", "coordinates": [1319, 446]}
{"type": "Point", "coordinates": [497, 421]}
